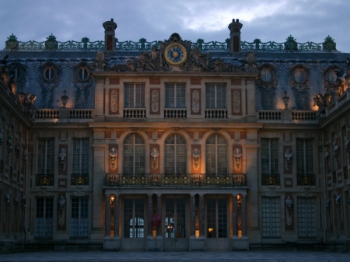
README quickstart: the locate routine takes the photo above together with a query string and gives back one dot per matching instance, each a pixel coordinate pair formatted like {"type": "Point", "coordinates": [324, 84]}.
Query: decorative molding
{"type": "Point", "coordinates": [195, 101]}
{"type": "Point", "coordinates": [236, 96]}
{"type": "Point", "coordinates": [267, 76]}
{"type": "Point", "coordinates": [304, 72]}
{"type": "Point", "coordinates": [114, 101]}
{"type": "Point", "coordinates": [155, 101]}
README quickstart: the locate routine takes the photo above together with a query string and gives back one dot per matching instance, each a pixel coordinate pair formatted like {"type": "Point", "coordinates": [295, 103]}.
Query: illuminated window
{"type": "Point", "coordinates": [134, 96]}
{"type": "Point", "coordinates": [175, 154]}
{"type": "Point", "coordinates": [215, 96]}
{"type": "Point", "coordinates": [134, 155]}
{"type": "Point", "coordinates": [217, 218]}
{"type": "Point", "coordinates": [79, 220]}
{"type": "Point", "coordinates": [175, 218]}
{"type": "Point", "coordinates": [175, 96]}
{"type": "Point", "coordinates": [44, 217]}
{"type": "Point", "coordinates": [216, 154]}
{"type": "Point", "coordinates": [134, 223]}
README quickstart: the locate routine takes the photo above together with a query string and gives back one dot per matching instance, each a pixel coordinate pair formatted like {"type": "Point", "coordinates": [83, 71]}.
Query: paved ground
{"type": "Point", "coordinates": [100, 256]}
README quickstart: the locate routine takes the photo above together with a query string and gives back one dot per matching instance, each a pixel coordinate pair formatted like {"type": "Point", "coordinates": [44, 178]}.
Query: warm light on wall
{"type": "Point", "coordinates": [197, 233]}
{"type": "Point", "coordinates": [111, 202]}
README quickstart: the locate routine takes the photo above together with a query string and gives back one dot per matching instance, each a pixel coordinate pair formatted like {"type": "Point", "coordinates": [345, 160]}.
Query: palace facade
{"type": "Point", "coordinates": [173, 145]}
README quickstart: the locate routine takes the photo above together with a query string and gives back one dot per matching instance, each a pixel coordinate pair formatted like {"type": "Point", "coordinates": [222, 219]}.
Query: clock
{"type": "Point", "coordinates": [175, 54]}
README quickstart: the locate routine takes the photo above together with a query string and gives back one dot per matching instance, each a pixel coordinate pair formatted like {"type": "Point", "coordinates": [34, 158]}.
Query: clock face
{"type": "Point", "coordinates": [175, 54]}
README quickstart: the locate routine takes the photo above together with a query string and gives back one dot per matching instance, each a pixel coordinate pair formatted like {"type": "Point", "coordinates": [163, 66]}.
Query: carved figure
{"type": "Point", "coordinates": [154, 155]}
{"type": "Point", "coordinates": [9, 145]}
{"type": "Point", "coordinates": [322, 101]}
{"type": "Point", "coordinates": [326, 157]}
{"type": "Point", "coordinates": [100, 63]}
{"type": "Point", "coordinates": [199, 60]}
{"type": "Point", "coordinates": [113, 158]}
{"type": "Point", "coordinates": [236, 102]}
{"type": "Point", "coordinates": [250, 62]}
{"type": "Point", "coordinates": [61, 203]}
{"type": "Point", "coordinates": [289, 206]}
{"type": "Point", "coordinates": [195, 101]}
{"type": "Point", "coordinates": [289, 203]}
{"type": "Point", "coordinates": [8, 198]}
{"type": "Point", "coordinates": [288, 155]}
{"type": "Point", "coordinates": [114, 101]}
{"type": "Point", "coordinates": [62, 156]}
{"type": "Point", "coordinates": [237, 153]}
{"type": "Point", "coordinates": [328, 203]}
{"type": "Point", "coordinates": [196, 155]}
{"type": "Point", "coordinates": [155, 101]}
{"type": "Point", "coordinates": [335, 150]}
{"type": "Point", "coordinates": [337, 198]}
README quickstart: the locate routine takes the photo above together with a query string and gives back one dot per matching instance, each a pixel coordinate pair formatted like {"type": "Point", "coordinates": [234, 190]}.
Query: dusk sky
{"type": "Point", "coordinates": [271, 20]}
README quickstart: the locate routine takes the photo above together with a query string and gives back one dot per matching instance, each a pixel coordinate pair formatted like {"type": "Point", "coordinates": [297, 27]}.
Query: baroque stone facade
{"type": "Point", "coordinates": [168, 147]}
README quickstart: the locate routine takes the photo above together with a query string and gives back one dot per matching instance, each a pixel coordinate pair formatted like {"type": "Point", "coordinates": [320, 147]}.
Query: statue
{"type": "Point", "coordinates": [288, 155]}
{"type": "Point", "coordinates": [237, 160]}
{"type": "Point", "coordinates": [113, 158]}
{"type": "Point", "coordinates": [335, 150]}
{"type": "Point", "coordinates": [196, 155]}
{"type": "Point", "coordinates": [62, 156]}
{"type": "Point", "coordinates": [61, 203]}
{"type": "Point", "coordinates": [154, 155]}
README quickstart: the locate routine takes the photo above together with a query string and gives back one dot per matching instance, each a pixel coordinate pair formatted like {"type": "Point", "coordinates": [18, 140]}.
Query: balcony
{"type": "Point", "coordinates": [175, 180]}
{"type": "Point", "coordinates": [134, 113]}
{"type": "Point", "coordinates": [44, 180]}
{"type": "Point", "coordinates": [64, 115]}
{"type": "Point", "coordinates": [175, 113]}
{"type": "Point", "coordinates": [306, 180]}
{"type": "Point", "coordinates": [288, 116]}
{"type": "Point", "coordinates": [216, 113]}
{"type": "Point", "coordinates": [79, 179]}
{"type": "Point", "coordinates": [270, 179]}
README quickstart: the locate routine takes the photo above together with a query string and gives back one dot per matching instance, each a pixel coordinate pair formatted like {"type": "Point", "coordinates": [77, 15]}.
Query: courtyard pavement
{"type": "Point", "coordinates": [101, 256]}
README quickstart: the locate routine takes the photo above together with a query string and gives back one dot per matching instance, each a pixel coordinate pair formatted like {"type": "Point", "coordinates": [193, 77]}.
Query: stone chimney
{"type": "Point", "coordinates": [110, 27]}
{"type": "Point", "coordinates": [235, 36]}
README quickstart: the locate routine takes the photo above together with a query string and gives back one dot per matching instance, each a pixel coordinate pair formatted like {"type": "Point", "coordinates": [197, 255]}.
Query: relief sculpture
{"type": "Point", "coordinates": [195, 101]}
{"type": "Point", "coordinates": [236, 102]}
{"type": "Point", "coordinates": [155, 101]}
{"type": "Point", "coordinates": [114, 101]}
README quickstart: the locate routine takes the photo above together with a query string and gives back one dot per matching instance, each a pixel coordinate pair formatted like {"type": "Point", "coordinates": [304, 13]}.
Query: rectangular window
{"type": "Point", "coordinates": [175, 96]}
{"type": "Point", "coordinates": [269, 156]}
{"type": "Point", "coordinates": [134, 223]}
{"type": "Point", "coordinates": [44, 217]}
{"type": "Point", "coordinates": [134, 96]}
{"type": "Point", "coordinates": [215, 96]}
{"type": "Point", "coordinates": [305, 157]}
{"type": "Point", "coordinates": [79, 219]}
{"type": "Point", "coordinates": [46, 156]}
{"type": "Point", "coordinates": [217, 218]}
{"type": "Point", "coordinates": [175, 218]}
{"type": "Point", "coordinates": [271, 217]}
{"type": "Point", "coordinates": [81, 156]}
{"type": "Point", "coordinates": [306, 208]}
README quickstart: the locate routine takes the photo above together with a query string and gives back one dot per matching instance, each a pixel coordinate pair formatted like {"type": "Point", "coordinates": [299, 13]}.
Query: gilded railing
{"type": "Point", "coordinates": [79, 179]}
{"type": "Point", "coordinates": [176, 180]}
{"type": "Point", "coordinates": [306, 179]}
{"type": "Point", "coordinates": [270, 179]}
{"type": "Point", "coordinates": [44, 180]}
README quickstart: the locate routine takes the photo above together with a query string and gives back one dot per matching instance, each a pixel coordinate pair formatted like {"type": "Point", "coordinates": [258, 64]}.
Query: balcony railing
{"type": "Point", "coordinates": [176, 180]}
{"type": "Point", "coordinates": [216, 113]}
{"type": "Point", "coordinates": [61, 114]}
{"type": "Point", "coordinates": [175, 113]}
{"type": "Point", "coordinates": [270, 179]}
{"type": "Point", "coordinates": [79, 179]}
{"type": "Point", "coordinates": [306, 179]}
{"type": "Point", "coordinates": [269, 115]}
{"type": "Point", "coordinates": [304, 115]}
{"type": "Point", "coordinates": [135, 113]}
{"type": "Point", "coordinates": [44, 180]}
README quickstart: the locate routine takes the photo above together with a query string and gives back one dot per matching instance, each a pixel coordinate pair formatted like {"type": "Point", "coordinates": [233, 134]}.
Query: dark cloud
{"type": "Point", "coordinates": [306, 20]}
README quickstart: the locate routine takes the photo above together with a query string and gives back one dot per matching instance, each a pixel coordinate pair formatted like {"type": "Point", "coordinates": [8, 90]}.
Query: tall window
{"type": "Point", "coordinates": [46, 156]}
{"type": "Point", "coordinates": [79, 219]}
{"type": "Point", "coordinates": [175, 154]}
{"type": "Point", "coordinates": [306, 208]}
{"type": "Point", "coordinates": [217, 218]}
{"type": "Point", "coordinates": [44, 217]}
{"type": "Point", "coordinates": [175, 96]}
{"type": "Point", "coordinates": [134, 223]}
{"type": "Point", "coordinates": [271, 217]}
{"type": "Point", "coordinates": [215, 96]}
{"type": "Point", "coordinates": [81, 155]}
{"type": "Point", "coordinates": [134, 154]}
{"type": "Point", "coordinates": [269, 156]}
{"type": "Point", "coordinates": [305, 157]}
{"type": "Point", "coordinates": [216, 154]}
{"type": "Point", "coordinates": [175, 218]}
{"type": "Point", "coordinates": [134, 96]}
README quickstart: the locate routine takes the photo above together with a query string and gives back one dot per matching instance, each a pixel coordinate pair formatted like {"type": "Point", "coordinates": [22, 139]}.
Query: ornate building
{"type": "Point", "coordinates": [164, 146]}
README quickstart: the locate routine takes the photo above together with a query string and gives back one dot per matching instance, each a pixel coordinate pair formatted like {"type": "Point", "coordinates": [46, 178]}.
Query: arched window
{"type": "Point", "coordinates": [83, 74]}
{"type": "Point", "coordinates": [332, 76]}
{"type": "Point", "coordinates": [134, 154]}
{"type": "Point", "coordinates": [299, 75]}
{"type": "Point", "coordinates": [266, 74]}
{"type": "Point", "coordinates": [49, 73]}
{"type": "Point", "coordinates": [216, 155]}
{"type": "Point", "coordinates": [175, 154]}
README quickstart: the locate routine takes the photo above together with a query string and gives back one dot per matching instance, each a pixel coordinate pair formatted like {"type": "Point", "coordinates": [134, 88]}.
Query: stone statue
{"type": "Point", "coordinates": [288, 155]}
{"type": "Point", "coordinates": [237, 153]}
{"type": "Point", "coordinates": [17, 150]}
{"type": "Point", "coordinates": [337, 198]}
{"type": "Point", "coordinates": [335, 149]}
{"type": "Point", "coordinates": [199, 60]}
{"type": "Point", "coordinates": [326, 157]}
{"type": "Point", "coordinates": [113, 158]}
{"type": "Point", "coordinates": [347, 143]}
{"type": "Point", "coordinates": [61, 202]}
{"type": "Point", "coordinates": [154, 155]}
{"type": "Point", "coordinates": [196, 155]}
{"type": "Point", "coordinates": [8, 198]}
{"type": "Point", "coordinates": [62, 156]}
{"type": "Point", "coordinates": [289, 203]}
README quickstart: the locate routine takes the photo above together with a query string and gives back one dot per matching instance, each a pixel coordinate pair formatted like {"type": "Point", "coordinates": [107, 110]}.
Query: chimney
{"type": "Point", "coordinates": [235, 36]}
{"type": "Point", "coordinates": [110, 27]}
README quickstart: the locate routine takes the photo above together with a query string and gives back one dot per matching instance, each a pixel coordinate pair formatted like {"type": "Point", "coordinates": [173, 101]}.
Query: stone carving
{"type": "Point", "coordinates": [332, 77]}
{"type": "Point", "coordinates": [337, 198]}
{"type": "Point", "coordinates": [267, 77]}
{"type": "Point", "coordinates": [250, 63]}
{"type": "Point", "coordinates": [154, 155]}
{"type": "Point", "coordinates": [237, 153]}
{"type": "Point", "coordinates": [196, 155]}
{"type": "Point", "coordinates": [155, 101]}
{"type": "Point", "coordinates": [61, 207]}
{"type": "Point", "coordinates": [8, 198]}
{"type": "Point", "coordinates": [335, 150]}
{"type": "Point", "coordinates": [195, 101]}
{"type": "Point", "coordinates": [288, 155]}
{"type": "Point", "coordinates": [299, 77]}
{"type": "Point", "coordinates": [236, 102]}
{"type": "Point", "coordinates": [62, 157]}
{"type": "Point", "coordinates": [99, 63]}
{"type": "Point", "coordinates": [326, 157]}
{"type": "Point", "coordinates": [197, 61]}
{"type": "Point", "coordinates": [113, 153]}
{"type": "Point", "coordinates": [114, 101]}
{"type": "Point", "coordinates": [322, 101]}
{"type": "Point", "coordinates": [289, 207]}
{"type": "Point", "coordinates": [328, 203]}
{"type": "Point", "coordinates": [24, 155]}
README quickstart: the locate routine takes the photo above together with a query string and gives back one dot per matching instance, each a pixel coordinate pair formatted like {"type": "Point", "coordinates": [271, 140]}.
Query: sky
{"type": "Point", "coordinates": [269, 20]}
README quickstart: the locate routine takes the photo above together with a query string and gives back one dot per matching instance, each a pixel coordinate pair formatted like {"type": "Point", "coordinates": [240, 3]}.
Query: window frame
{"type": "Point", "coordinates": [219, 102]}
{"type": "Point", "coordinates": [80, 160]}
{"type": "Point", "coordinates": [178, 94]}
{"type": "Point", "coordinates": [138, 96]}
{"type": "Point", "coordinates": [141, 157]}
{"type": "Point", "coordinates": [46, 157]}
{"type": "Point", "coordinates": [81, 221]}
{"type": "Point", "coordinates": [208, 154]}
{"type": "Point", "coordinates": [176, 155]}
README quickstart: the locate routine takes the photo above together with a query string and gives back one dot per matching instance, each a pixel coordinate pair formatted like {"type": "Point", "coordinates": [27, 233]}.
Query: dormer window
{"type": "Point", "coordinates": [49, 73]}
{"type": "Point", "coordinates": [299, 75]}
{"type": "Point", "coordinates": [266, 75]}
{"type": "Point", "coordinates": [332, 76]}
{"type": "Point", "coordinates": [83, 74]}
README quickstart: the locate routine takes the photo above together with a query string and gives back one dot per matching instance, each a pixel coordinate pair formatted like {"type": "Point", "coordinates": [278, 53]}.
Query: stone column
{"type": "Point", "coordinates": [193, 216]}
{"type": "Point", "coordinates": [201, 215]}
{"type": "Point", "coordinates": [107, 217]}
{"type": "Point", "coordinates": [244, 215]}
{"type": "Point", "coordinates": [150, 214]}
{"type": "Point", "coordinates": [159, 212]}
{"type": "Point", "coordinates": [235, 215]}
{"type": "Point", "coordinates": [116, 216]}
